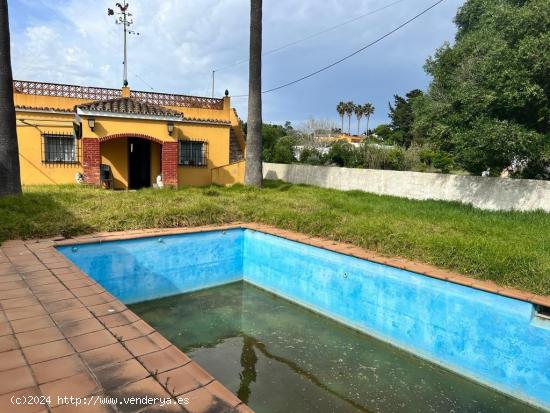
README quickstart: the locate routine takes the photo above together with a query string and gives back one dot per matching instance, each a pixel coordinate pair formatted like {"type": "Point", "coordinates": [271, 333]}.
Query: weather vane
{"type": "Point", "coordinates": [124, 18]}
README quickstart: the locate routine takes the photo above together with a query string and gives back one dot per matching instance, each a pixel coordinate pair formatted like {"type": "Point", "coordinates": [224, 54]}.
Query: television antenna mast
{"type": "Point", "coordinates": [124, 18]}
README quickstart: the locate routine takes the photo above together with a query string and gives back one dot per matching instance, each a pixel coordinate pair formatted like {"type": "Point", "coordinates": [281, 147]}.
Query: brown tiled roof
{"type": "Point", "coordinates": [130, 106]}
{"type": "Point", "coordinates": [207, 120]}
{"type": "Point", "coordinates": [43, 109]}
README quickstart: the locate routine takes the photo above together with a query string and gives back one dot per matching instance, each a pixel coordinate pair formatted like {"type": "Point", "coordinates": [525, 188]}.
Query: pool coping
{"type": "Point", "coordinates": [60, 328]}
{"type": "Point", "coordinates": [331, 245]}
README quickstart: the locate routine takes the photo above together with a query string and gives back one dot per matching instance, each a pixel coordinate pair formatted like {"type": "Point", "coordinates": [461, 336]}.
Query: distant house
{"type": "Point", "coordinates": [328, 139]}
{"type": "Point", "coordinates": [125, 139]}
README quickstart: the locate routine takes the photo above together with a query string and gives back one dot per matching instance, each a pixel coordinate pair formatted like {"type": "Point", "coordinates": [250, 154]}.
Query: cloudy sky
{"type": "Point", "coordinates": [182, 41]}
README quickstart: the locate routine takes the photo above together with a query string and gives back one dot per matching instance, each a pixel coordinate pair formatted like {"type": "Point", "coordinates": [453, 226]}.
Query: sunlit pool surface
{"type": "Point", "coordinates": [280, 357]}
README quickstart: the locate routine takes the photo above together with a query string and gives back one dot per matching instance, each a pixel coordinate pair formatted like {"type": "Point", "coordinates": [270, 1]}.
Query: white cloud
{"type": "Point", "coordinates": [182, 41]}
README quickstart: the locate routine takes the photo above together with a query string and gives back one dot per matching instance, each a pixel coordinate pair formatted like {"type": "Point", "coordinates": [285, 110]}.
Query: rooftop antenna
{"type": "Point", "coordinates": [124, 18]}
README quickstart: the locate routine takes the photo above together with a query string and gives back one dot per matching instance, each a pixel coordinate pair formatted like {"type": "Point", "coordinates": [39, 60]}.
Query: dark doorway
{"type": "Point", "coordinates": [139, 163]}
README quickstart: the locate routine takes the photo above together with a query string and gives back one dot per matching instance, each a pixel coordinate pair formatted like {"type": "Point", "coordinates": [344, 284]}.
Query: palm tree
{"type": "Point", "coordinates": [359, 111]}
{"type": "Point", "coordinates": [368, 109]}
{"type": "Point", "coordinates": [253, 169]}
{"type": "Point", "coordinates": [10, 179]}
{"type": "Point", "coordinates": [349, 111]}
{"type": "Point", "coordinates": [341, 109]}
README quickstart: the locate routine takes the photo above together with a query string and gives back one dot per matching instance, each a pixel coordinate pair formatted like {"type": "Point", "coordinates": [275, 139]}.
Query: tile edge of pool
{"type": "Point", "coordinates": [322, 245]}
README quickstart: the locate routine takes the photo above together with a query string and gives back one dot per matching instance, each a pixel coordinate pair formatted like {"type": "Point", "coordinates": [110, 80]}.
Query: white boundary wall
{"type": "Point", "coordinates": [481, 192]}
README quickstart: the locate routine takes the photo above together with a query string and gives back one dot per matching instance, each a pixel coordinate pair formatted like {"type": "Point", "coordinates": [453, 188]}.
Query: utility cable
{"type": "Point", "coordinates": [311, 36]}
{"type": "Point", "coordinates": [351, 54]}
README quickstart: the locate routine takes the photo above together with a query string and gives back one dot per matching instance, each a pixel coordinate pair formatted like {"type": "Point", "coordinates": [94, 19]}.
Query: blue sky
{"type": "Point", "coordinates": [182, 41]}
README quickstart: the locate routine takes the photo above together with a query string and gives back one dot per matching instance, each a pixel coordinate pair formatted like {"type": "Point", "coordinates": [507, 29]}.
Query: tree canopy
{"type": "Point", "coordinates": [489, 100]}
{"type": "Point", "coordinates": [401, 114]}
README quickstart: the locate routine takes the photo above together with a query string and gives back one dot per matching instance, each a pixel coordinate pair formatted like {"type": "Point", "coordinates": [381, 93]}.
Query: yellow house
{"type": "Point", "coordinates": [351, 138]}
{"type": "Point", "coordinates": [125, 139]}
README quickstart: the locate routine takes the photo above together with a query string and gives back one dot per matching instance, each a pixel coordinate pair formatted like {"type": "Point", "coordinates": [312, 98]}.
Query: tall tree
{"type": "Point", "coordinates": [359, 112]}
{"type": "Point", "coordinates": [368, 109]}
{"type": "Point", "coordinates": [349, 111]}
{"type": "Point", "coordinates": [402, 116]}
{"type": "Point", "coordinates": [341, 109]}
{"type": "Point", "coordinates": [10, 179]}
{"type": "Point", "coordinates": [253, 170]}
{"type": "Point", "coordinates": [489, 100]}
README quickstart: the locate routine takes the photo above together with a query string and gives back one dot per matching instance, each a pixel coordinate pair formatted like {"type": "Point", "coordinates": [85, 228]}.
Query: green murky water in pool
{"type": "Point", "coordinates": [280, 357]}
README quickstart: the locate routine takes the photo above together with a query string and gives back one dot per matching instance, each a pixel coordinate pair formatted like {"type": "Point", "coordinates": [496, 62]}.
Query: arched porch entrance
{"type": "Point", "coordinates": [143, 162]}
{"type": "Point", "coordinates": [135, 160]}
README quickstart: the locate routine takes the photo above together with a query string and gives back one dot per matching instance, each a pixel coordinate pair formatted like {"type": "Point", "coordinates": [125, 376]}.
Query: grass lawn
{"type": "Point", "coordinates": [509, 248]}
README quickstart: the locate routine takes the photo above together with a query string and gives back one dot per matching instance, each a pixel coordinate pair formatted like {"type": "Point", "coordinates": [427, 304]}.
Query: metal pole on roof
{"type": "Point", "coordinates": [125, 74]}
{"type": "Point", "coordinates": [126, 22]}
{"type": "Point", "coordinates": [213, 81]}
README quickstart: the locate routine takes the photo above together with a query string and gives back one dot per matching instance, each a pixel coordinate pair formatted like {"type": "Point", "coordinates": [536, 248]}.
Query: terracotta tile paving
{"type": "Point", "coordinates": [212, 397]}
{"type": "Point", "coordinates": [33, 323]}
{"type": "Point", "coordinates": [57, 369]}
{"type": "Point", "coordinates": [8, 406]}
{"type": "Point", "coordinates": [103, 356]}
{"type": "Point", "coordinates": [67, 408]}
{"type": "Point", "coordinates": [79, 385]}
{"type": "Point", "coordinates": [78, 328]}
{"type": "Point", "coordinates": [131, 331]}
{"type": "Point", "coordinates": [163, 360]}
{"type": "Point", "coordinates": [11, 359]}
{"type": "Point", "coordinates": [47, 351]}
{"type": "Point", "coordinates": [40, 336]}
{"type": "Point", "coordinates": [8, 343]}
{"type": "Point", "coordinates": [62, 334]}
{"type": "Point", "coordinates": [148, 387]}
{"type": "Point", "coordinates": [16, 379]}
{"type": "Point", "coordinates": [121, 374]}
{"type": "Point", "coordinates": [91, 341]}
{"type": "Point", "coordinates": [5, 328]}
{"type": "Point", "coordinates": [185, 379]}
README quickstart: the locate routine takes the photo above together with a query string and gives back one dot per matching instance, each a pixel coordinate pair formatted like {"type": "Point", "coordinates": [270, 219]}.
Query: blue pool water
{"type": "Point", "coordinates": [495, 340]}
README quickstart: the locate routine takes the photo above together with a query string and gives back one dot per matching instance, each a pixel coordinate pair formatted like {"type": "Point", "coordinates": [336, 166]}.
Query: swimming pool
{"type": "Point", "coordinates": [495, 340]}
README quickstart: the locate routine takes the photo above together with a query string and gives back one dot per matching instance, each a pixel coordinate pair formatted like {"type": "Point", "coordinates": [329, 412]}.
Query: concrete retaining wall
{"type": "Point", "coordinates": [484, 193]}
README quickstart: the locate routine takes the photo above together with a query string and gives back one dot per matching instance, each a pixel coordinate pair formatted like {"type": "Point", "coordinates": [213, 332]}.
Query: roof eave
{"type": "Point", "coordinates": [42, 110]}
{"type": "Point", "coordinates": [106, 114]}
{"type": "Point", "coordinates": [208, 122]}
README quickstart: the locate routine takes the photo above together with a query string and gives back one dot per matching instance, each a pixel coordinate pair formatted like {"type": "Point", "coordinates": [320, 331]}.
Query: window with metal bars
{"type": "Point", "coordinates": [59, 148]}
{"type": "Point", "coordinates": [193, 153]}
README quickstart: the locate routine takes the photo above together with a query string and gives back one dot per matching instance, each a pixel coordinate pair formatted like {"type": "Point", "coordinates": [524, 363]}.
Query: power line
{"type": "Point", "coordinates": [143, 80]}
{"type": "Point", "coordinates": [311, 36]}
{"type": "Point", "coordinates": [351, 54]}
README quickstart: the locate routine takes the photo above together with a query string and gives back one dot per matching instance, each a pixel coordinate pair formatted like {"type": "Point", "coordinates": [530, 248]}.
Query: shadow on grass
{"type": "Point", "coordinates": [39, 215]}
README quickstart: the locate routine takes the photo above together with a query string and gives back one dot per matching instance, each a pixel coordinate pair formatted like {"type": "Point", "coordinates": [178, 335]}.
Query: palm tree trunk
{"type": "Point", "coordinates": [349, 124]}
{"type": "Point", "coordinates": [253, 169]}
{"type": "Point", "coordinates": [358, 124]}
{"type": "Point", "coordinates": [368, 118]}
{"type": "Point", "coordinates": [342, 129]}
{"type": "Point", "coordinates": [10, 179]}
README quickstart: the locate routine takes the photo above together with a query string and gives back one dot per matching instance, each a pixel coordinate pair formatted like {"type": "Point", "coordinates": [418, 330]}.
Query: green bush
{"type": "Point", "coordinates": [426, 156]}
{"type": "Point", "coordinates": [343, 154]}
{"type": "Point", "coordinates": [374, 156]}
{"type": "Point", "coordinates": [395, 159]}
{"type": "Point", "coordinates": [443, 162]}
{"type": "Point", "coordinates": [311, 156]}
{"type": "Point", "coordinates": [283, 151]}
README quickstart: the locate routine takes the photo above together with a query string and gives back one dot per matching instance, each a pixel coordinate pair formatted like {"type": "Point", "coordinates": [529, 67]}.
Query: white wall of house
{"type": "Point", "coordinates": [481, 192]}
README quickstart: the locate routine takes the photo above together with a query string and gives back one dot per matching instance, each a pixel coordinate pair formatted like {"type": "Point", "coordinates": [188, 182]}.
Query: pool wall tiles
{"type": "Point", "coordinates": [487, 337]}
{"type": "Point", "coordinates": [148, 268]}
